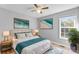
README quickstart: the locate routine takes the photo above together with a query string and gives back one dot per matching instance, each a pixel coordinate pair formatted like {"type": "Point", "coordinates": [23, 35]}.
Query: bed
{"type": "Point", "coordinates": [31, 45]}
{"type": "Point", "coordinates": [28, 44]}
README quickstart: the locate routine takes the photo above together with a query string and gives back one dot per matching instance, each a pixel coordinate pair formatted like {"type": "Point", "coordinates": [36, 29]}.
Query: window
{"type": "Point", "coordinates": [65, 24]}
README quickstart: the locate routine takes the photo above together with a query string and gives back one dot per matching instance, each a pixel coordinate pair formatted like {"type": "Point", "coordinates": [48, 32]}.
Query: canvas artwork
{"type": "Point", "coordinates": [46, 23]}
{"type": "Point", "coordinates": [21, 23]}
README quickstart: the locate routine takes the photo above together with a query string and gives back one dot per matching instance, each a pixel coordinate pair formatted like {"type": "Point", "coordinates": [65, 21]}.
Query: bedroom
{"type": "Point", "coordinates": [29, 20]}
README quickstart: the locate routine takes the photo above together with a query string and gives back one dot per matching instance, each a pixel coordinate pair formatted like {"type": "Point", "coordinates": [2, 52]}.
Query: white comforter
{"type": "Point", "coordinates": [37, 48]}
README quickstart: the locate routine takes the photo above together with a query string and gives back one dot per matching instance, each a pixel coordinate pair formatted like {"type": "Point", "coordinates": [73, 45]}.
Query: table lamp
{"type": "Point", "coordinates": [35, 32]}
{"type": "Point", "coordinates": [6, 35]}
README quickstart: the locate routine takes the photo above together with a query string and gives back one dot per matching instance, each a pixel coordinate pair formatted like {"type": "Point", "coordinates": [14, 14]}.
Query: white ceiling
{"type": "Point", "coordinates": [25, 9]}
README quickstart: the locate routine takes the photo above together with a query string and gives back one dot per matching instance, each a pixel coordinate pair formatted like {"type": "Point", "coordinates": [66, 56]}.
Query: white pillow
{"type": "Point", "coordinates": [33, 37]}
{"type": "Point", "coordinates": [29, 35]}
{"type": "Point", "coordinates": [21, 35]}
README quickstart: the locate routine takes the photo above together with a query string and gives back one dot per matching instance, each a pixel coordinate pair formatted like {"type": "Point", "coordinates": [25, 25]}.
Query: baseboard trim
{"type": "Point", "coordinates": [62, 45]}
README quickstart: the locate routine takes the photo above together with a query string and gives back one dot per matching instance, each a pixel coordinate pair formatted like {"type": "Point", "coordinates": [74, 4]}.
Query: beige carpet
{"type": "Point", "coordinates": [66, 50]}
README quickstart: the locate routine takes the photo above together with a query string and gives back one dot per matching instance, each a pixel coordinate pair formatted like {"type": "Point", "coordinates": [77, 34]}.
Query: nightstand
{"type": "Point", "coordinates": [6, 45]}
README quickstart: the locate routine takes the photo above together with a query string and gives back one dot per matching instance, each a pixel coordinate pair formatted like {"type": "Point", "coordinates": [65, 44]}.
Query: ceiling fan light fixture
{"type": "Point", "coordinates": [38, 11]}
{"type": "Point", "coordinates": [39, 8]}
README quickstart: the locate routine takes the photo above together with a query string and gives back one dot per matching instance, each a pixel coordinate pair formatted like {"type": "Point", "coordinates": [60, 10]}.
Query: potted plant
{"type": "Point", "coordinates": [73, 38]}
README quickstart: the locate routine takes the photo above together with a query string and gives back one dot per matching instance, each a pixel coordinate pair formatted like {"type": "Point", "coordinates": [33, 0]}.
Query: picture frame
{"type": "Point", "coordinates": [21, 23]}
{"type": "Point", "coordinates": [46, 23]}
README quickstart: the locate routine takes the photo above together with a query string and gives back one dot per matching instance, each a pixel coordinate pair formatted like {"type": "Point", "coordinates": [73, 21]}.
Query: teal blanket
{"type": "Point", "coordinates": [24, 44]}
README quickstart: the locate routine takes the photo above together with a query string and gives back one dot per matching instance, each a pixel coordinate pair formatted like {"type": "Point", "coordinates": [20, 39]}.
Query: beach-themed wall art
{"type": "Point", "coordinates": [21, 23]}
{"type": "Point", "coordinates": [46, 23]}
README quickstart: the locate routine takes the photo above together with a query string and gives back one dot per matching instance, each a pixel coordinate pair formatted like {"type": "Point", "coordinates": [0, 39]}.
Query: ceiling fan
{"type": "Point", "coordinates": [39, 8]}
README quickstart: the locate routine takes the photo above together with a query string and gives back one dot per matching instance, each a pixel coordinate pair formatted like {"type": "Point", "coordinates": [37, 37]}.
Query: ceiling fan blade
{"type": "Point", "coordinates": [36, 5]}
{"type": "Point", "coordinates": [45, 8]}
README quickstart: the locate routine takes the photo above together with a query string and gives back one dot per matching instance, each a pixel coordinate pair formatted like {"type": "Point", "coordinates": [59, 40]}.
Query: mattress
{"type": "Point", "coordinates": [36, 48]}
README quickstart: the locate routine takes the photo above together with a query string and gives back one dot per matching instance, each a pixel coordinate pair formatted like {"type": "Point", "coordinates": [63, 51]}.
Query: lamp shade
{"type": "Point", "coordinates": [6, 33]}
{"type": "Point", "coordinates": [36, 31]}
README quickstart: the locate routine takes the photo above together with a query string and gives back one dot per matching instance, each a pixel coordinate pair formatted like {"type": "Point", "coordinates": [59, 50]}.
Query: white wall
{"type": "Point", "coordinates": [53, 34]}
{"type": "Point", "coordinates": [6, 20]}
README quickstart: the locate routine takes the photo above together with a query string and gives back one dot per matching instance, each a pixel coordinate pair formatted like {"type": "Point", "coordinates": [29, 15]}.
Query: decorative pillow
{"type": "Point", "coordinates": [20, 35]}
{"type": "Point", "coordinates": [29, 34]}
